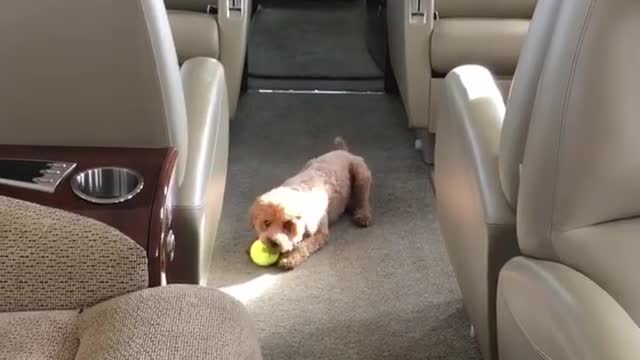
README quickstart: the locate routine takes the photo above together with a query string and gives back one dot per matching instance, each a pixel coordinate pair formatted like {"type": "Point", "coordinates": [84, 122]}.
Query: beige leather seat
{"type": "Point", "coordinates": [105, 73]}
{"type": "Point", "coordinates": [478, 155]}
{"type": "Point", "coordinates": [216, 29]}
{"type": "Point", "coordinates": [575, 293]}
{"type": "Point", "coordinates": [427, 39]}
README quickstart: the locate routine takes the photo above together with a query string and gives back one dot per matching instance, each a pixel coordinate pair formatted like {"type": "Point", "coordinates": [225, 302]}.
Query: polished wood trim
{"type": "Point", "coordinates": [133, 217]}
{"type": "Point", "coordinates": [159, 224]}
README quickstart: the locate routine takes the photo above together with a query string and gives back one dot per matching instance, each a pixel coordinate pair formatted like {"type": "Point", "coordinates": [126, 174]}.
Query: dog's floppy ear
{"type": "Point", "coordinates": [253, 215]}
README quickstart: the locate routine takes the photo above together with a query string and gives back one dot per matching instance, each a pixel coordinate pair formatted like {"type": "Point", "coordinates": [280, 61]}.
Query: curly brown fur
{"type": "Point", "coordinates": [295, 216]}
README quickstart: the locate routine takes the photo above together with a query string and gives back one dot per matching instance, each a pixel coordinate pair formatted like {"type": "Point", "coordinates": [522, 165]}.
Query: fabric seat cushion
{"type": "Point", "coordinates": [493, 43]}
{"type": "Point", "coordinates": [176, 321]}
{"type": "Point", "coordinates": [39, 335]}
{"type": "Point", "coordinates": [55, 260]}
{"type": "Point", "coordinates": [152, 321]}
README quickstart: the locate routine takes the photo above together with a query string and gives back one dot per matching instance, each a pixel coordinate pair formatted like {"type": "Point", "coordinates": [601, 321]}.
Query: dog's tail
{"type": "Point", "coordinates": [340, 143]}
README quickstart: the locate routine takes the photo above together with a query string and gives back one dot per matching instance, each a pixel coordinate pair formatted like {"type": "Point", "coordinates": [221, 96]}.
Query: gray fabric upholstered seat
{"type": "Point", "coordinates": [74, 288]}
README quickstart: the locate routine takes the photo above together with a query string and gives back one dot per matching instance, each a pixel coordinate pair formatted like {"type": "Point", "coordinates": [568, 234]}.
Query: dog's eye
{"type": "Point", "coordinates": [266, 223]}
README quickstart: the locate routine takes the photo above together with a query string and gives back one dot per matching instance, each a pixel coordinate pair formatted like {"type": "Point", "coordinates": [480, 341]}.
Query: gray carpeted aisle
{"type": "Point", "coordinates": [386, 292]}
{"type": "Point", "coordinates": [310, 39]}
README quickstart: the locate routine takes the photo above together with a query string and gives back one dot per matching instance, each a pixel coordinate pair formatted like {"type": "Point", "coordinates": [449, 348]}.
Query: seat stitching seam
{"type": "Point", "coordinates": [563, 119]}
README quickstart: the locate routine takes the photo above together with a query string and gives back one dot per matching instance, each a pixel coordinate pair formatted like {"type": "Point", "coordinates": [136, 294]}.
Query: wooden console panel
{"type": "Point", "coordinates": [140, 218]}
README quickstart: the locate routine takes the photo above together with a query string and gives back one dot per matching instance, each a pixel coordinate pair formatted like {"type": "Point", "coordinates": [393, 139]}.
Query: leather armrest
{"type": "Point", "coordinates": [177, 322]}
{"type": "Point", "coordinates": [205, 95]}
{"type": "Point", "coordinates": [478, 226]}
{"type": "Point", "coordinates": [558, 313]}
{"type": "Point", "coordinates": [198, 204]}
{"type": "Point", "coordinates": [477, 111]}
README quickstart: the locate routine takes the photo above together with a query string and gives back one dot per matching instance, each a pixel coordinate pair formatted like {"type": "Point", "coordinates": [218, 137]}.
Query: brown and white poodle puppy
{"type": "Point", "coordinates": [295, 216]}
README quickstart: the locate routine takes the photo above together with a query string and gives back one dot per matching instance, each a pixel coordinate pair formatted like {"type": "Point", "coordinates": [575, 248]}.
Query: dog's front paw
{"type": "Point", "coordinates": [362, 217]}
{"type": "Point", "coordinates": [287, 263]}
{"type": "Point", "coordinates": [290, 260]}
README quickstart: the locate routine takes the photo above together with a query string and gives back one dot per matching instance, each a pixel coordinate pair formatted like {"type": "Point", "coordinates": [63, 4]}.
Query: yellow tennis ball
{"type": "Point", "coordinates": [262, 254]}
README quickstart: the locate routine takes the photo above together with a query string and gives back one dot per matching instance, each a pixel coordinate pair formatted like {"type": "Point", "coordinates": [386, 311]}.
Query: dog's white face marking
{"type": "Point", "coordinates": [283, 233]}
{"type": "Point", "coordinates": [282, 216]}
{"type": "Point", "coordinates": [284, 242]}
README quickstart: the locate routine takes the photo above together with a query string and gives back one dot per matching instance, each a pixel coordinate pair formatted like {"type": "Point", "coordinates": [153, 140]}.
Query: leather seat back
{"type": "Point", "coordinates": [493, 43]}
{"type": "Point", "coordinates": [195, 28]}
{"type": "Point", "coordinates": [521, 96]}
{"type": "Point", "coordinates": [122, 87]}
{"type": "Point", "coordinates": [579, 202]}
{"type": "Point", "coordinates": [486, 32]}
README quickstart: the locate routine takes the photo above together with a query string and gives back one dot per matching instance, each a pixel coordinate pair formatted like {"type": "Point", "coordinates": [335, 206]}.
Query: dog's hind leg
{"type": "Point", "coordinates": [360, 192]}
{"type": "Point", "coordinates": [306, 248]}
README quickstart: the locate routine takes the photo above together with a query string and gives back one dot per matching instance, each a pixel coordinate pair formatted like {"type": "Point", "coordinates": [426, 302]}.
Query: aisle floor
{"type": "Point", "coordinates": [386, 292]}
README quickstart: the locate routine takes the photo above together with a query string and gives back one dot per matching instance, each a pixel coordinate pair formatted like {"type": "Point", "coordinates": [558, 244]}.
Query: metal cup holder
{"type": "Point", "coordinates": [107, 185]}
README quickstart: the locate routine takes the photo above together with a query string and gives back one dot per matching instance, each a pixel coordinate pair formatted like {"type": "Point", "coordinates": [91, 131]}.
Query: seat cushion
{"type": "Point", "coordinates": [486, 8]}
{"type": "Point", "coordinates": [493, 43]}
{"type": "Point", "coordinates": [41, 335]}
{"type": "Point", "coordinates": [193, 5]}
{"type": "Point", "coordinates": [55, 260]}
{"type": "Point", "coordinates": [177, 321]}
{"type": "Point", "coordinates": [169, 322]}
{"type": "Point", "coordinates": [194, 34]}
